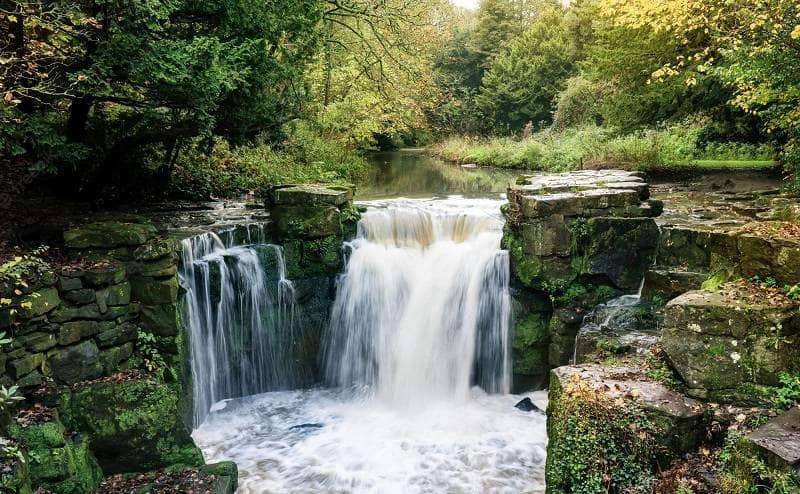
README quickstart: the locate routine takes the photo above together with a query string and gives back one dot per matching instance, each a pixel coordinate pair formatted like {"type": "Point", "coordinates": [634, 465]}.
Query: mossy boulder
{"type": "Point", "coordinates": [307, 222]}
{"type": "Point", "coordinates": [72, 364]}
{"type": "Point", "coordinates": [57, 461]}
{"type": "Point", "coordinates": [309, 258]}
{"type": "Point", "coordinates": [108, 235]}
{"type": "Point", "coordinates": [724, 344]}
{"type": "Point", "coordinates": [133, 426]}
{"type": "Point", "coordinates": [310, 195]}
{"type": "Point", "coordinates": [154, 291]}
{"type": "Point", "coordinates": [39, 303]}
{"type": "Point", "coordinates": [611, 428]}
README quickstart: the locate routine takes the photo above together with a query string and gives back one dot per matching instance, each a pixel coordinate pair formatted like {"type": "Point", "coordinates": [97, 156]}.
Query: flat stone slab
{"type": "Point", "coordinates": [553, 183]}
{"type": "Point", "coordinates": [781, 437]}
{"type": "Point", "coordinates": [108, 235]}
{"type": "Point", "coordinates": [310, 195]}
{"type": "Point", "coordinates": [627, 381]}
{"type": "Point", "coordinates": [585, 193]}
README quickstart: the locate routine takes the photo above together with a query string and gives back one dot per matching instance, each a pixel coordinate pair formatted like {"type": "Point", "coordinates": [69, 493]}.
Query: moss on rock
{"type": "Point", "coordinates": [134, 426]}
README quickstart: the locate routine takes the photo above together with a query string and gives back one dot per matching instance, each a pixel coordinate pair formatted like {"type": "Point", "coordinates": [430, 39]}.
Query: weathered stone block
{"type": "Point", "coordinates": [307, 222]}
{"type": "Point", "coordinates": [72, 332]}
{"type": "Point", "coordinates": [25, 365]}
{"type": "Point", "coordinates": [103, 276]}
{"type": "Point", "coordinates": [75, 363]}
{"type": "Point", "coordinates": [66, 283]}
{"type": "Point", "coordinates": [39, 303]}
{"type": "Point", "coordinates": [119, 294]}
{"type": "Point", "coordinates": [108, 235]}
{"type": "Point", "coordinates": [160, 319]}
{"type": "Point", "coordinates": [157, 249]}
{"type": "Point", "coordinates": [154, 291]}
{"type": "Point", "coordinates": [38, 342]}
{"type": "Point", "coordinates": [112, 358]}
{"type": "Point", "coordinates": [116, 335]}
{"type": "Point", "coordinates": [722, 343]}
{"type": "Point", "coordinates": [134, 426]}
{"type": "Point", "coordinates": [310, 195]}
{"type": "Point", "coordinates": [80, 296]}
{"type": "Point", "coordinates": [583, 404]}
{"type": "Point", "coordinates": [669, 284]}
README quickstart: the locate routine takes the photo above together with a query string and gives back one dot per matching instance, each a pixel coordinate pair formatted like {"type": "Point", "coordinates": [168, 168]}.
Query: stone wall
{"type": "Point", "coordinates": [575, 240]}
{"type": "Point", "coordinates": [81, 321]}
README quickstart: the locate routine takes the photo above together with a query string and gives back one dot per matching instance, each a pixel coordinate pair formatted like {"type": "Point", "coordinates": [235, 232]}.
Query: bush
{"type": "Point", "coordinates": [598, 147]}
{"type": "Point", "coordinates": [224, 172]}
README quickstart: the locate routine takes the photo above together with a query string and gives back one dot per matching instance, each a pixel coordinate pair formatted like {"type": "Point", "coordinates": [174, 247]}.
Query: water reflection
{"type": "Point", "coordinates": [413, 173]}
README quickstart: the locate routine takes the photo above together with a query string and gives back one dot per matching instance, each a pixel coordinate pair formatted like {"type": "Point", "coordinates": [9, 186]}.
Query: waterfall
{"type": "Point", "coordinates": [422, 311]}
{"type": "Point", "coordinates": [240, 314]}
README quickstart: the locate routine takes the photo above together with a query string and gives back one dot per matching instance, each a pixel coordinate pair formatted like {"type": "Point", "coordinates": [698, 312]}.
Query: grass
{"type": "Point", "coordinates": [598, 147]}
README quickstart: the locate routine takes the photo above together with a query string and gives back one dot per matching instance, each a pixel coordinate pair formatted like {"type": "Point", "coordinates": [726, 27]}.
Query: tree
{"type": "Point", "coordinates": [114, 85]}
{"type": "Point", "coordinates": [752, 46]}
{"type": "Point", "coordinates": [522, 82]}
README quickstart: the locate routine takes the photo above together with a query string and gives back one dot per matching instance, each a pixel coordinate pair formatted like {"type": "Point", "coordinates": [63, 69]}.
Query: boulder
{"type": "Point", "coordinates": [133, 426]}
{"type": "Point", "coordinates": [614, 421]}
{"type": "Point", "coordinates": [726, 343]}
{"type": "Point", "coordinates": [154, 291]}
{"type": "Point", "coordinates": [75, 363]}
{"type": "Point", "coordinates": [161, 319]}
{"type": "Point", "coordinates": [310, 195]}
{"type": "Point", "coordinates": [39, 303]}
{"type": "Point", "coordinates": [108, 235]}
{"type": "Point", "coordinates": [779, 440]}
{"type": "Point", "coordinates": [58, 462]}
{"type": "Point", "coordinates": [666, 285]}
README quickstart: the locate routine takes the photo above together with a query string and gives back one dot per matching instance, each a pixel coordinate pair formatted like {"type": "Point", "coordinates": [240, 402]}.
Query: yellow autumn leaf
{"type": "Point", "coordinates": [795, 34]}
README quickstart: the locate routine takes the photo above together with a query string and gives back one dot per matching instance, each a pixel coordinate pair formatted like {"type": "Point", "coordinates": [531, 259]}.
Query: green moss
{"type": "Point", "coordinates": [529, 344]}
{"type": "Point", "coordinates": [134, 426]}
{"type": "Point", "coordinates": [57, 463]}
{"type": "Point", "coordinates": [713, 282]}
{"type": "Point", "coordinates": [742, 470]}
{"type": "Point", "coordinates": [595, 444]}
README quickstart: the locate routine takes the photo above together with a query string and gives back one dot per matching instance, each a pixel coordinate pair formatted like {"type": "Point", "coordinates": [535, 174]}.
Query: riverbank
{"type": "Point", "coordinates": [596, 147]}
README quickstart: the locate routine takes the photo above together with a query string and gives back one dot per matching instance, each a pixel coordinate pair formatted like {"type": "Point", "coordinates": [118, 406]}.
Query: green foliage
{"type": "Point", "coordinates": [597, 445]}
{"type": "Point", "coordinates": [226, 172]}
{"type": "Point", "coordinates": [153, 361]}
{"type": "Point", "coordinates": [743, 471]}
{"type": "Point", "coordinates": [106, 87]}
{"type": "Point", "coordinates": [574, 148]}
{"type": "Point", "coordinates": [521, 83]}
{"type": "Point", "coordinates": [658, 369]}
{"type": "Point", "coordinates": [8, 398]}
{"type": "Point", "coordinates": [787, 394]}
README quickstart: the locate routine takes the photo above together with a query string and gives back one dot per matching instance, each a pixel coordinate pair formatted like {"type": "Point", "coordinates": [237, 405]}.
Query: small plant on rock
{"type": "Point", "coordinates": [788, 393]}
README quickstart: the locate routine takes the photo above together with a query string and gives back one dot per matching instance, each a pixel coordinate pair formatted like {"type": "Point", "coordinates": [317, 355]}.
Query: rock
{"type": "Point", "coordinates": [75, 363]}
{"type": "Point", "coordinates": [151, 291]}
{"type": "Point", "coordinates": [108, 235]}
{"type": "Point", "coordinates": [112, 358]}
{"type": "Point", "coordinates": [666, 285]}
{"type": "Point", "coordinates": [66, 283]}
{"type": "Point", "coordinates": [134, 426]}
{"type": "Point", "coordinates": [104, 275]}
{"type": "Point", "coordinates": [72, 332]}
{"type": "Point", "coordinates": [38, 342]}
{"type": "Point", "coordinates": [526, 405]}
{"type": "Point", "coordinates": [34, 379]}
{"type": "Point", "coordinates": [307, 222]}
{"type": "Point", "coordinates": [157, 249]}
{"type": "Point", "coordinates": [601, 416]}
{"type": "Point", "coordinates": [117, 335]}
{"type": "Point", "coordinates": [779, 439]}
{"type": "Point", "coordinates": [310, 196]}
{"type": "Point", "coordinates": [309, 258]}
{"type": "Point", "coordinates": [723, 345]}
{"type": "Point", "coordinates": [39, 303]}
{"type": "Point", "coordinates": [160, 319]}
{"type": "Point", "coordinates": [227, 474]}
{"type": "Point", "coordinates": [57, 463]}
{"type": "Point", "coordinates": [119, 294]}
{"type": "Point", "coordinates": [80, 296]}
{"type": "Point", "coordinates": [25, 365]}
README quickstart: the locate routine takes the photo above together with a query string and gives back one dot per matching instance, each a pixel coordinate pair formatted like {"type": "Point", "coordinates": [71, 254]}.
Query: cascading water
{"type": "Point", "coordinates": [422, 311]}
{"type": "Point", "coordinates": [418, 335]}
{"type": "Point", "coordinates": [241, 316]}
